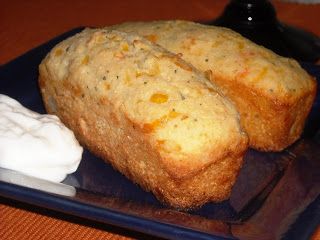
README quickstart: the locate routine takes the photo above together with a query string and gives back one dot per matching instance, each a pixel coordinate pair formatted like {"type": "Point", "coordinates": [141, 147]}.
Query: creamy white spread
{"type": "Point", "coordinates": [35, 144]}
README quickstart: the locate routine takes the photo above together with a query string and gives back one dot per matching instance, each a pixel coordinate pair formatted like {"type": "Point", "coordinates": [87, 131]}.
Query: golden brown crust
{"type": "Point", "coordinates": [132, 155]}
{"type": "Point", "coordinates": [112, 132]}
{"type": "Point", "coordinates": [278, 124]}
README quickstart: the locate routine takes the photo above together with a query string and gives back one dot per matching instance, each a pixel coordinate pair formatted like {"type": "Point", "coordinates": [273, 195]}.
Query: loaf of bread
{"type": "Point", "coordinates": [273, 94]}
{"type": "Point", "coordinates": [153, 116]}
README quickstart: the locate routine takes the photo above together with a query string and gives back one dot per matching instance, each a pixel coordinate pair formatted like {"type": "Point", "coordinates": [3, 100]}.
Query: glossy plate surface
{"type": "Point", "coordinates": [276, 194]}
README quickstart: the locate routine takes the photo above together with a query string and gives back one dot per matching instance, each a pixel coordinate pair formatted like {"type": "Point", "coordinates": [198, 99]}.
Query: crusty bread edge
{"type": "Point", "coordinates": [282, 122]}
{"type": "Point", "coordinates": [134, 156]}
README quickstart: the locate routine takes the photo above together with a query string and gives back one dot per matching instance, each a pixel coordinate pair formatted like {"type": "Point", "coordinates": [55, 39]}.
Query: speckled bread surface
{"type": "Point", "coordinates": [146, 111]}
{"type": "Point", "coordinates": [273, 94]}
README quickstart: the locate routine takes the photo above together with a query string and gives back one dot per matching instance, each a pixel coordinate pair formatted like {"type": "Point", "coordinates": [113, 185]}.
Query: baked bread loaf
{"type": "Point", "coordinates": [153, 116]}
{"type": "Point", "coordinates": [273, 94]}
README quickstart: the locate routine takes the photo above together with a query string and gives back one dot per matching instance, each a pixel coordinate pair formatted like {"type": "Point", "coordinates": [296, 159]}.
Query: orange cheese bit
{"type": "Point", "coordinates": [173, 114]}
{"type": "Point", "coordinates": [85, 60]}
{"type": "Point", "coordinates": [125, 47]}
{"type": "Point", "coordinates": [152, 38]}
{"type": "Point", "coordinates": [58, 52]}
{"type": "Point", "coordinates": [150, 127]}
{"type": "Point", "coordinates": [161, 142]}
{"type": "Point", "coordinates": [139, 74]}
{"type": "Point", "coordinates": [159, 98]}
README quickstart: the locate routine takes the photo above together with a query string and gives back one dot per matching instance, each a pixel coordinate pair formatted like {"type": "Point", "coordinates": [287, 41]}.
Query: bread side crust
{"type": "Point", "coordinates": [129, 151]}
{"type": "Point", "coordinates": [271, 124]}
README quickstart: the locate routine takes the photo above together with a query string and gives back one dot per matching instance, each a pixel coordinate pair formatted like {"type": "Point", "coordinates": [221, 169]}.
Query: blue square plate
{"type": "Point", "coordinates": [276, 194]}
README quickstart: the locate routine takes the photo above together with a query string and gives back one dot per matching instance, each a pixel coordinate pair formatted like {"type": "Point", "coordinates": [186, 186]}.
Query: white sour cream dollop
{"type": "Point", "coordinates": [34, 144]}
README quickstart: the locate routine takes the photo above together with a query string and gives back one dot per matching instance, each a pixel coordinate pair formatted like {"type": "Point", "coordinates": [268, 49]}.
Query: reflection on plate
{"type": "Point", "coordinates": [276, 194]}
{"type": "Point", "coordinates": [10, 176]}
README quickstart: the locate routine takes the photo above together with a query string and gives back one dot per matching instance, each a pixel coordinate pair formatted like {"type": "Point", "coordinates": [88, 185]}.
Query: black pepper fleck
{"type": "Point", "coordinates": [104, 78]}
{"type": "Point", "coordinates": [207, 60]}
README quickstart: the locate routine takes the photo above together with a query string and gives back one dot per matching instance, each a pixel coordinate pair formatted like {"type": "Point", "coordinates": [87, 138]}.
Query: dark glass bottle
{"type": "Point", "coordinates": [257, 20]}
